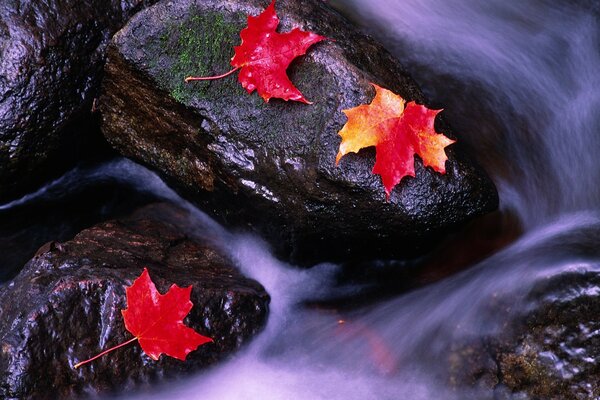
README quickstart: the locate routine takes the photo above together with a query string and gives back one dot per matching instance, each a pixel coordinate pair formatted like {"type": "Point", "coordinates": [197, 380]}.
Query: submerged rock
{"type": "Point", "coordinates": [64, 307]}
{"type": "Point", "coordinates": [558, 347]}
{"type": "Point", "coordinates": [272, 166]}
{"type": "Point", "coordinates": [550, 351]}
{"type": "Point", "coordinates": [51, 58]}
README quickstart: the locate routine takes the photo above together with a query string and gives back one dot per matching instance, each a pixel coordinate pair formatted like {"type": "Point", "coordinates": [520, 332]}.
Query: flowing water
{"type": "Point", "coordinates": [519, 81]}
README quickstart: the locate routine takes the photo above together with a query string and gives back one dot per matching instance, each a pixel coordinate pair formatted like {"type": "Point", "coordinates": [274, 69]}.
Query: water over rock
{"type": "Point", "coordinates": [549, 351]}
{"type": "Point", "coordinates": [51, 58]}
{"type": "Point", "coordinates": [64, 307]}
{"type": "Point", "coordinates": [271, 167]}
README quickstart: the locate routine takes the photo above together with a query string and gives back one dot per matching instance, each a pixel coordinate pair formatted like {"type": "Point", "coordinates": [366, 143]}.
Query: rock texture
{"type": "Point", "coordinates": [272, 166]}
{"type": "Point", "coordinates": [64, 307]}
{"type": "Point", "coordinates": [51, 58]}
{"type": "Point", "coordinates": [549, 353]}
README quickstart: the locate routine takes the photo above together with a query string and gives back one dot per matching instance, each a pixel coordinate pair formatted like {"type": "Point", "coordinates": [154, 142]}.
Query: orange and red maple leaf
{"type": "Point", "coordinates": [264, 56]}
{"type": "Point", "coordinates": [398, 131]}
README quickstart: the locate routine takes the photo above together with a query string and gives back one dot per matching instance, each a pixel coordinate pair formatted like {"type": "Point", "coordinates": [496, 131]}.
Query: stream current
{"type": "Point", "coordinates": [519, 82]}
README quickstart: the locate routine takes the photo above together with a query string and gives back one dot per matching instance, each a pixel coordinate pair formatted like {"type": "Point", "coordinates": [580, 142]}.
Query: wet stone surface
{"type": "Point", "coordinates": [51, 57]}
{"type": "Point", "coordinates": [64, 307]}
{"type": "Point", "coordinates": [550, 352]}
{"type": "Point", "coordinates": [271, 167]}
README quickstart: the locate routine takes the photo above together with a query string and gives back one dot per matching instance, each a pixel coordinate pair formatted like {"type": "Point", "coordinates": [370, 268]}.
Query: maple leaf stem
{"type": "Point", "coordinates": [105, 351]}
{"type": "Point", "coordinates": [210, 78]}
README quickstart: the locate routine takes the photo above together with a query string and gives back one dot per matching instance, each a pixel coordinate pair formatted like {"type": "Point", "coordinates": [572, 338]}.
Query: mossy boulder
{"type": "Point", "coordinates": [271, 166]}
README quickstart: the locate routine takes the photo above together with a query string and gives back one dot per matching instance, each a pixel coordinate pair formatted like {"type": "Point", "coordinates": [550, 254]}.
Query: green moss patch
{"type": "Point", "coordinates": [200, 45]}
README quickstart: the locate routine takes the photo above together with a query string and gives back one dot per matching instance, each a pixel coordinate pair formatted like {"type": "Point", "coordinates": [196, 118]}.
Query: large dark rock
{"type": "Point", "coordinates": [51, 58]}
{"type": "Point", "coordinates": [272, 166]}
{"type": "Point", "coordinates": [64, 307]}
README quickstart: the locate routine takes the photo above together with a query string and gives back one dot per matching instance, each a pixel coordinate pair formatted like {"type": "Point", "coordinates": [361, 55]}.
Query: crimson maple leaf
{"type": "Point", "coordinates": [156, 320]}
{"type": "Point", "coordinates": [398, 131]}
{"type": "Point", "coordinates": [264, 56]}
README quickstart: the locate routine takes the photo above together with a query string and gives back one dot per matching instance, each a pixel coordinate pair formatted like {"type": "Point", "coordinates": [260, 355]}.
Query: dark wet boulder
{"type": "Point", "coordinates": [550, 350]}
{"type": "Point", "coordinates": [51, 58]}
{"type": "Point", "coordinates": [558, 347]}
{"type": "Point", "coordinates": [64, 307]}
{"type": "Point", "coordinates": [271, 167]}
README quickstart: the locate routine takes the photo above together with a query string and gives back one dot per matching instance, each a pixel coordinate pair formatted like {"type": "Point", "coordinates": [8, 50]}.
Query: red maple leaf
{"type": "Point", "coordinates": [264, 56]}
{"type": "Point", "coordinates": [398, 132]}
{"type": "Point", "coordinates": [156, 320]}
